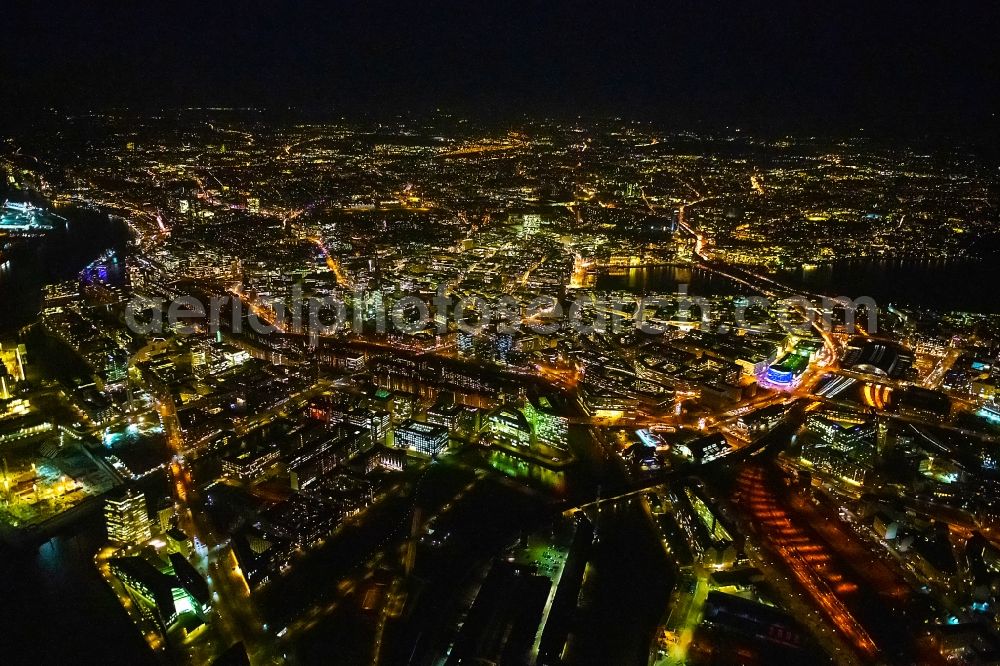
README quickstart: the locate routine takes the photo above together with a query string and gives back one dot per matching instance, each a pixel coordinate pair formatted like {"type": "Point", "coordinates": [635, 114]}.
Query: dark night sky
{"type": "Point", "coordinates": [889, 64]}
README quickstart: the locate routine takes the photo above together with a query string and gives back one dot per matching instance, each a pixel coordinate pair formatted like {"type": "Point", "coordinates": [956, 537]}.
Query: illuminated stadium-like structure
{"type": "Point", "coordinates": [786, 372]}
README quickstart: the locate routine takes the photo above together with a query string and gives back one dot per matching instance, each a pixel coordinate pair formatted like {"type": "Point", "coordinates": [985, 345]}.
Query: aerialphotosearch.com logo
{"type": "Point", "coordinates": [586, 314]}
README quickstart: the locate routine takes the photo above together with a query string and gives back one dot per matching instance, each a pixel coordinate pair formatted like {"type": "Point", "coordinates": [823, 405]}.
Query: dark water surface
{"type": "Point", "coordinates": [965, 285]}
{"type": "Point", "coordinates": [61, 254]}
{"type": "Point", "coordinates": [971, 285]}
{"type": "Point", "coordinates": [57, 609]}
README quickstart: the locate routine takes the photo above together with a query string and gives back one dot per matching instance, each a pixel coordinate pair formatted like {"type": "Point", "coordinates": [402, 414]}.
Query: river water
{"type": "Point", "coordinates": [938, 284]}
{"type": "Point", "coordinates": [57, 609]}
{"type": "Point", "coordinates": [59, 255]}
{"type": "Point", "coordinates": [667, 280]}
{"type": "Point", "coordinates": [944, 285]}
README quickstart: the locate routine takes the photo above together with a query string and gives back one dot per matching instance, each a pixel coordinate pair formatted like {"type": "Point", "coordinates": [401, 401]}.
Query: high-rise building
{"type": "Point", "coordinates": [380, 423]}
{"type": "Point", "coordinates": [466, 343]}
{"type": "Point", "coordinates": [127, 520]}
{"type": "Point", "coordinates": [503, 344]}
{"type": "Point", "coordinates": [883, 440]}
{"type": "Point", "coordinates": [116, 366]}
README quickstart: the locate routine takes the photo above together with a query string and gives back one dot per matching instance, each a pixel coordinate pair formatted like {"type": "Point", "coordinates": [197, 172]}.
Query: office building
{"type": "Point", "coordinates": [422, 437]}
{"type": "Point", "coordinates": [127, 520]}
{"type": "Point", "coordinates": [840, 444]}
{"type": "Point", "coordinates": [249, 465]}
